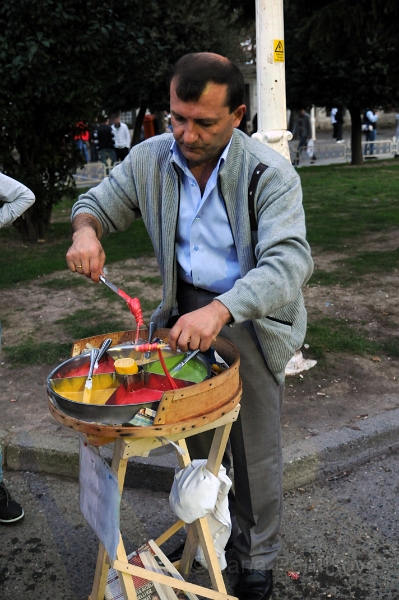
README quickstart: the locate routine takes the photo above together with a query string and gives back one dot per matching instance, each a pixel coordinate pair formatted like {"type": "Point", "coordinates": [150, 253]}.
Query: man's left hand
{"type": "Point", "coordinates": [198, 329]}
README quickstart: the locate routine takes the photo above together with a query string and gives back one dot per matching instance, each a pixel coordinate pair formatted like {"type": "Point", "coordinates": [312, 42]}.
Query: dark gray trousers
{"type": "Point", "coordinates": [255, 443]}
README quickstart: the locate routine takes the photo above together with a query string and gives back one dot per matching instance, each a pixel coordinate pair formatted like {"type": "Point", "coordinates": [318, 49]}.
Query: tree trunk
{"type": "Point", "coordinates": [26, 227]}
{"type": "Point", "coordinates": [138, 124]}
{"type": "Point", "coordinates": [34, 223]}
{"type": "Point", "coordinates": [356, 135]}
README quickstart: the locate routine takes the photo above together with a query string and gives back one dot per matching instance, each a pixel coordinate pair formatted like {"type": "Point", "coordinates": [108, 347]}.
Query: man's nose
{"type": "Point", "coordinates": [190, 133]}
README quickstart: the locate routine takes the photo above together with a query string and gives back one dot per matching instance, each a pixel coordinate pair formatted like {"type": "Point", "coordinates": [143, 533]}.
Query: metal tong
{"type": "Point", "coordinates": [89, 381]}
{"type": "Point", "coordinates": [183, 362]}
{"type": "Point", "coordinates": [102, 350]}
{"type": "Point", "coordinates": [109, 284]}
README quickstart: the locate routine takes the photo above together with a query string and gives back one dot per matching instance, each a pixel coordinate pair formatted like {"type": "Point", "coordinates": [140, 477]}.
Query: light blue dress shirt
{"type": "Point", "coordinates": [205, 249]}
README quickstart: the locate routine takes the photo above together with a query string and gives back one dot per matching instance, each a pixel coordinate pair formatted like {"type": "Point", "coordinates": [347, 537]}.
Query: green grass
{"type": "Point", "coordinates": [20, 261]}
{"type": "Point", "coordinates": [87, 322]}
{"type": "Point", "coordinates": [148, 306]}
{"type": "Point", "coordinates": [354, 268]}
{"type": "Point", "coordinates": [377, 262]}
{"type": "Point", "coordinates": [153, 281]}
{"type": "Point", "coordinates": [32, 353]}
{"type": "Point", "coordinates": [337, 335]}
{"type": "Point", "coordinates": [63, 209]}
{"type": "Point", "coordinates": [63, 284]}
{"type": "Point", "coordinates": [343, 203]}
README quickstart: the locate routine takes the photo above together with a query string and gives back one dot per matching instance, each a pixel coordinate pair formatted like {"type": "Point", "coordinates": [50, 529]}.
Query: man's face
{"type": "Point", "coordinates": [203, 129]}
{"type": "Point", "coordinates": [117, 121]}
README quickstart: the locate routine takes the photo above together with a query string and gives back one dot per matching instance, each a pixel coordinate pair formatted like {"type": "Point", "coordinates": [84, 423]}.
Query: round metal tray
{"type": "Point", "coordinates": [114, 414]}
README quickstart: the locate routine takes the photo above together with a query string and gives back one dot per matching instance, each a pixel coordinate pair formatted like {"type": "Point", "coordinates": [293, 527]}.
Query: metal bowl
{"type": "Point", "coordinates": [97, 413]}
{"type": "Point", "coordinates": [59, 380]}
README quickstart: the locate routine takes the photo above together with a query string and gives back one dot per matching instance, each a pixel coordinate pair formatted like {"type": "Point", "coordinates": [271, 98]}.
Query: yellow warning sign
{"type": "Point", "coordinates": [278, 50]}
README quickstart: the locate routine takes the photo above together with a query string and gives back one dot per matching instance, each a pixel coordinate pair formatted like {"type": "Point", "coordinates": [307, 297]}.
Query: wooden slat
{"type": "Point", "coordinates": [169, 532]}
{"type": "Point", "coordinates": [118, 465]}
{"type": "Point", "coordinates": [125, 580]}
{"type": "Point", "coordinates": [171, 581]}
{"type": "Point", "coordinates": [141, 446]}
{"type": "Point", "coordinates": [100, 575]}
{"type": "Point", "coordinates": [208, 547]}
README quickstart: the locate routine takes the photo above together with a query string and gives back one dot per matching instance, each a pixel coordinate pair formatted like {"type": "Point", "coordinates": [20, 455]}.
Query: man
{"type": "Point", "coordinates": [339, 117]}
{"type": "Point", "coordinates": [15, 199]}
{"type": "Point", "coordinates": [191, 189]}
{"type": "Point", "coordinates": [334, 122]}
{"type": "Point", "coordinates": [104, 141]}
{"type": "Point", "coordinates": [81, 137]}
{"type": "Point", "coordinates": [121, 137]}
{"type": "Point", "coordinates": [303, 130]}
{"type": "Point", "coordinates": [370, 119]}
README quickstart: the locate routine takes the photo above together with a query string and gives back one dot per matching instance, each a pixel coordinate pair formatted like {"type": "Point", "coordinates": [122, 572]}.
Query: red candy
{"type": "Point", "coordinates": [149, 347]}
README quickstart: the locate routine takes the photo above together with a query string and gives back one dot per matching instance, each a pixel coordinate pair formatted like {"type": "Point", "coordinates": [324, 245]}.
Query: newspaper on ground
{"type": "Point", "coordinates": [150, 557]}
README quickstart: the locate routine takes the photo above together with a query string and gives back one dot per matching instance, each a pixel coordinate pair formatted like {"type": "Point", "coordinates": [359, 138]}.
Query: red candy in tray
{"type": "Point", "coordinates": [142, 387]}
{"type": "Point", "coordinates": [106, 365]}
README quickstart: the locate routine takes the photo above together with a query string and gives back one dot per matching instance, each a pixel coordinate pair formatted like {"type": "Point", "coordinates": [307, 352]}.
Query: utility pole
{"type": "Point", "coordinates": [270, 75]}
{"type": "Point", "coordinates": [272, 112]}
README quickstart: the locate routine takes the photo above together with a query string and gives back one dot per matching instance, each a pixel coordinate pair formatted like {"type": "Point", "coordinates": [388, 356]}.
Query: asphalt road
{"type": "Point", "coordinates": [342, 537]}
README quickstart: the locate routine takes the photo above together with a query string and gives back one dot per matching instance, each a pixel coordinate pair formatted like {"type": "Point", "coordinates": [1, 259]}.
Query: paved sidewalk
{"type": "Point", "coordinates": [33, 441]}
{"type": "Point", "coordinates": [327, 152]}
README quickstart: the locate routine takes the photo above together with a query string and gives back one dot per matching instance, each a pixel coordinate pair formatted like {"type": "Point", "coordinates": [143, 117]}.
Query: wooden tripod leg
{"type": "Point", "coordinates": [198, 532]}
{"type": "Point", "coordinates": [100, 575]}
{"type": "Point", "coordinates": [192, 539]}
{"type": "Point", "coordinates": [102, 567]}
{"type": "Point", "coordinates": [125, 579]}
{"type": "Point", "coordinates": [215, 457]}
{"type": "Point", "coordinates": [218, 448]}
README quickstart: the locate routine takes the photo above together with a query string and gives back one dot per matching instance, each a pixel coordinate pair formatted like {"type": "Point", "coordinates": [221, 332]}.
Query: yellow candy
{"type": "Point", "coordinates": [126, 366]}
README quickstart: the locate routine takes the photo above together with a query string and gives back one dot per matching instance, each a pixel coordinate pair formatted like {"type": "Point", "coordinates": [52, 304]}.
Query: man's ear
{"type": "Point", "coordinates": [238, 114]}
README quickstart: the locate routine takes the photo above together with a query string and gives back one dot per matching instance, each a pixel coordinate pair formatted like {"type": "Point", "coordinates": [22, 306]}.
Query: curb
{"type": "Point", "coordinates": [340, 450]}
{"type": "Point", "coordinates": [305, 462]}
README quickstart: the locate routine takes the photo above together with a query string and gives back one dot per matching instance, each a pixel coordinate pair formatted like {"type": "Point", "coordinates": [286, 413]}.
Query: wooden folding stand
{"type": "Point", "coordinates": [212, 404]}
{"type": "Point", "coordinates": [198, 531]}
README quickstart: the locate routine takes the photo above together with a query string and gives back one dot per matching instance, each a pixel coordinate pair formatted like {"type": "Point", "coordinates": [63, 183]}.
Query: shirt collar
{"type": "Point", "coordinates": [178, 157]}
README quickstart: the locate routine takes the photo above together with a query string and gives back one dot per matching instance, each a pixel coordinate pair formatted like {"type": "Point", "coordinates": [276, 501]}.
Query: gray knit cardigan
{"type": "Point", "coordinates": [275, 262]}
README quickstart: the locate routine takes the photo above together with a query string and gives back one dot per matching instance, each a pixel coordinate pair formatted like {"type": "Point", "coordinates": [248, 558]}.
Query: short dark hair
{"type": "Point", "coordinates": [193, 71]}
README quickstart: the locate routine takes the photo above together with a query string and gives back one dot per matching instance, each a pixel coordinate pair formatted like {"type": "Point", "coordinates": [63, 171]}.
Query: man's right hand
{"type": "Point", "coordinates": [86, 255]}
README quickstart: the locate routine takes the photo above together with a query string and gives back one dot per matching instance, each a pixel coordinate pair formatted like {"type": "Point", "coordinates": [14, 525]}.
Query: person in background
{"type": "Point", "coordinates": [397, 126]}
{"type": "Point", "coordinates": [15, 199]}
{"type": "Point", "coordinates": [334, 122]}
{"type": "Point", "coordinates": [370, 119]}
{"type": "Point", "coordinates": [121, 138]}
{"type": "Point", "coordinates": [339, 117]}
{"type": "Point", "coordinates": [303, 130]}
{"type": "Point", "coordinates": [104, 141]}
{"type": "Point", "coordinates": [81, 138]}
{"type": "Point", "coordinates": [168, 121]}
{"type": "Point", "coordinates": [92, 141]}
{"type": "Point", "coordinates": [255, 123]}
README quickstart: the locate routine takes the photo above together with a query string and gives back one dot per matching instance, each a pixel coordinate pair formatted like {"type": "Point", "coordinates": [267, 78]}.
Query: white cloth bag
{"type": "Point", "coordinates": [197, 493]}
